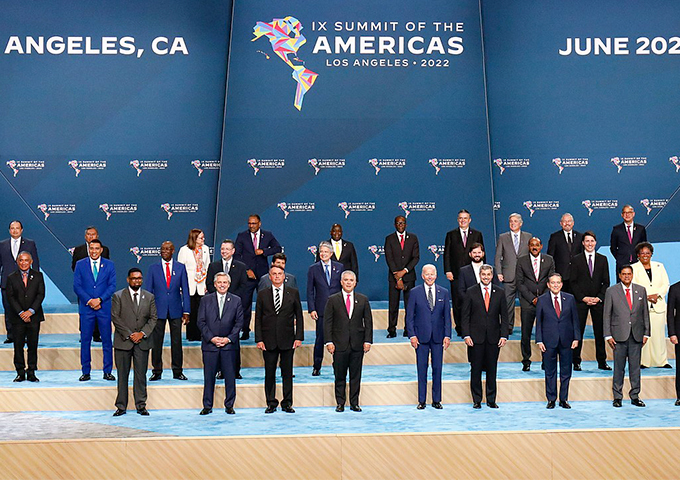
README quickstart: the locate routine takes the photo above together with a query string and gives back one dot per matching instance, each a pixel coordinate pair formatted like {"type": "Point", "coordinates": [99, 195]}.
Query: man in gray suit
{"type": "Point", "coordinates": [133, 312]}
{"type": "Point", "coordinates": [511, 245]}
{"type": "Point", "coordinates": [626, 329]}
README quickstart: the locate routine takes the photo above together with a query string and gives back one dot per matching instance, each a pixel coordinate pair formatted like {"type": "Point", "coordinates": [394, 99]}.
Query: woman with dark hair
{"type": "Point", "coordinates": [653, 276]}
{"type": "Point", "coordinates": [195, 256]}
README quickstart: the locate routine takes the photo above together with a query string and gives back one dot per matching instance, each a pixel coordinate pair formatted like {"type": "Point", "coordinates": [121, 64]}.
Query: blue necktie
{"type": "Point", "coordinates": [95, 272]}
{"type": "Point", "coordinates": [328, 274]}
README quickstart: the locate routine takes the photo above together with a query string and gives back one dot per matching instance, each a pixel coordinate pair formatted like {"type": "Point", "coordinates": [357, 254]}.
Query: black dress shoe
{"type": "Point", "coordinates": [143, 411]}
{"type": "Point", "coordinates": [230, 410]}
{"type": "Point", "coordinates": [340, 408]}
{"type": "Point", "coordinates": [206, 411]}
{"type": "Point", "coordinates": [288, 409]}
{"type": "Point", "coordinates": [270, 410]}
{"type": "Point", "coordinates": [577, 368]}
{"type": "Point", "coordinates": [642, 367]}
{"type": "Point", "coordinates": [668, 365]}
{"type": "Point", "coordinates": [19, 378]}
{"type": "Point", "coordinates": [617, 402]}
{"type": "Point", "coordinates": [84, 377]}
{"type": "Point", "coordinates": [109, 377]}
{"type": "Point", "coordinates": [119, 412]}
{"type": "Point", "coordinates": [526, 368]}
{"type": "Point", "coordinates": [550, 405]}
{"type": "Point", "coordinates": [638, 403]}
{"type": "Point", "coordinates": [421, 406]}
{"type": "Point", "coordinates": [677, 403]}
{"type": "Point", "coordinates": [437, 405]}
{"type": "Point", "coordinates": [238, 376]}
{"type": "Point", "coordinates": [477, 405]}
{"type": "Point", "coordinates": [355, 408]}
{"type": "Point", "coordinates": [389, 335]}
{"type": "Point", "coordinates": [32, 378]}
{"type": "Point", "coordinates": [405, 334]}
{"type": "Point", "coordinates": [180, 376]}
{"type": "Point", "coordinates": [155, 377]}
{"type": "Point", "coordinates": [316, 372]}
{"type": "Point", "coordinates": [97, 338]}
{"type": "Point", "coordinates": [492, 404]}
{"type": "Point", "coordinates": [245, 335]}
{"type": "Point", "coordinates": [8, 340]}
{"type": "Point", "coordinates": [219, 376]}
{"type": "Point", "coordinates": [564, 404]}
{"type": "Point", "coordinates": [604, 367]}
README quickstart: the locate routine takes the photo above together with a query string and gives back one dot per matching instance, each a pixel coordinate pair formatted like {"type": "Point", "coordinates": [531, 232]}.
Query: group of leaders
{"type": "Point", "coordinates": [556, 290]}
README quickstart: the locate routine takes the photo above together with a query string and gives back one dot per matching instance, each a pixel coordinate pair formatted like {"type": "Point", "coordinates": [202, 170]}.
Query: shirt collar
{"type": "Point", "coordinates": [132, 292]}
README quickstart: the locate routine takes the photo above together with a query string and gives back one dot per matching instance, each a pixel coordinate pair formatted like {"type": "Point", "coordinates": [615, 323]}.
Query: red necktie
{"type": "Point", "coordinates": [558, 311]}
{"type": "Point", "coordinates": [348, 304]}
{"type": "Point", "coordinates": [486, 299]}
{"type": "Point", "coordinates": [401, 240]}
{"type": "Point", "coordinates": [630, 300]}
{"type": "Point", "coordinates": [25, 275]}
{"type": "Point", "coordinates": [630, 237]}
{"type": "Point", "coordinates": [168, 277]}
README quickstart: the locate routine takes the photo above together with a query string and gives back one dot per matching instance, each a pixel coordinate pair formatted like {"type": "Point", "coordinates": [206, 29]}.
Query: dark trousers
{"type": "Point", "coordinates": [631, 350]}
{"type": "Point", "coordinates": [140, 361]}
{"type": "Point", "coordinates": [271, 358]}
{"type": "Point", "coordinates": [393, 297]}
{"type": "Point", "coordinates": [223, 360]}
{"type": "Point", "coordinates": [342, 361]}
{"type": "Point", "coordinates": [423, 353]}
{"type": "Point", "coordinates": [596, 312]}
{"type": "Point", "coordinates": [87, 322]}
{"type": "Point", "coordinates": [677, 370]}
{"type": "Point", "coordinates": [26, 333]}
{"type": "Point", "coordinates": [550, 362]}
{"type": "Point", "coordinates": [318, 344]}
{"type": "Point", "coordinates": [528, 312]}
{"type": "Point", "coordinates": [510, 296]}
{"type": "Point", "coordinates": [6, 308]}
{"type": "Point", "coordinates": [175, 345]}
{"type": "Point", "coordinates": [193, 333]}
{"type": "Point", "coordinates": [457, 304]}
{"type": "Point", "coordinates": [248, 292]}
{"type": "Point", "coordinates": [484, 357]}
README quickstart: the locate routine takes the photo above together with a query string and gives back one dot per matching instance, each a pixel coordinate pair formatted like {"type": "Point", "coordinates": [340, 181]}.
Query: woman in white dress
{"type": "Point", "coordinates": [195, 256]}
{"type": "Point", "coordinates": [653, 276]}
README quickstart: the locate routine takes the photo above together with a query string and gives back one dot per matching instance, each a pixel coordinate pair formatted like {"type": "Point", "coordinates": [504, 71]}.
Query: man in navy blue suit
{"type": "Point", "coordinates": [94, 282]}
{"type": "Point", "coordinates": [252, 248]}
{"type": "Point", "coordinates": [557, 334]}
{"type": "Point", "coordinates": [428, 321]}
{"type": "Point", "coordinates": [9, 251]}
{"type": "Point", "coordinates": [220, 317]}
{"type": "Point", "coordinates": [625, 236]}
{"type": "Point", "coordinates": [168, 282]}
{"type": "Point", "coordinates": [323, 280]}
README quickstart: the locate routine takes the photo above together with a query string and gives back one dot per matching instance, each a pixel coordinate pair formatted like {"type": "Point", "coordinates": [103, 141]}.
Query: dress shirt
{"type": "Point", "coordinates": [274, 289]}
{"type": "Point", "coordinates": [567, 234]}
{"type": "Point", "coordinates": [255, 235]}
{"type": "Point", "coordinates": [98, 263]}
{"type": "Point", "coordinates": [464, 233]}
{"type": "Point", "coordinates": [16, 245]}
{"type": "Point", "coordinates": [164, 267]}
{"type": "Point", "coordinates": [559, 300]}
{"type": "Point", "coordinates": [337, 247]}
{"type": "Point", "coordinates": [226, 265]}
{"type": "Point", "coordinates": [475, 268]}
{"type": "Point", "coordinates": [132, 295]}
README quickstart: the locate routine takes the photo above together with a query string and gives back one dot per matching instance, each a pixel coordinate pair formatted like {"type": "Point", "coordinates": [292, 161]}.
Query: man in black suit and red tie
{"type": "Point", "coordinates": [625, 236]}
{"type": "Point", "coordinates": [456, 255]}
{"type": "Point", "coordinates": [485, 327]}
{"type": "Point", "coordinates": [563, 246]}
{"type": "Point", "coordinates": [279, 330]}
{"type": "Point", "coordinates": [402, 254]}
{"type": "Point", "coordinates": [343, 251]}
{"type": "Point", "coordinates": [589, 284]}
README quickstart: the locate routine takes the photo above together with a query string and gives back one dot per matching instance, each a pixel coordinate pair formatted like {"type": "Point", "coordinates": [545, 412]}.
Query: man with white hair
{"type": "Point", "coordinates": [563, 246]}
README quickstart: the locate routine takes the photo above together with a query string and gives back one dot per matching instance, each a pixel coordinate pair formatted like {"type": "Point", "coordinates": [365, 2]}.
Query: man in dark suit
{"type": "Point", "coordinates": [133, 312]}
{"type": "Point", "coordinates": [168, 282]}
{"type": "Point", "coordinates": [323, 280]}
{"type": "Point", "coordinates": [9, 251]}
{"type": "Point", "coordinates": [343, 251]}
{"type": "Point", "coordinates": [25, 294]}
{"type": "Point", "coordinates": [531, 277]}
{"type": "Point", "coordinates": [589, 283]}
{"type": "Point", "coordinates": [278, 259]}
{"type": "Point", "coordinates": [557, 334]}
{"type": "Point", "coordinates": [456, 255]}
{"type": "Point", "coordinates": [625, 236]}
{"type": "Point", "coordinates": [252, 248]}
{"type": "Point", "coordinates": [626, 330]}
{"type": "Point", "coordinates": [279, 330]}
{"type": "Point", "coordinates": [469, 274]}
{"type": "Point", "coordinates": [673, 320]}
{"type": "Point", "coordinates": [94, 283]}
{"type": "Point", "coordinates": [219, 320]}
{"type": "Point", "coordinates": [563, 246]}
{"type": "Point", "coordinates": [82, 251]}
{"type": "Point", "coordinates": [485, 329]}
{"type": "Point", "coordinates": [348, 330]}
{"type": "Point", "coordinates": [428, 320]}
{"type": "Point", "coordinates": [402, 254]}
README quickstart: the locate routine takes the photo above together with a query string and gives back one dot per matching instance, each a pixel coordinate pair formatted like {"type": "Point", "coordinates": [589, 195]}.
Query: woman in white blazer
{"type": "Point", "coordinates": [195, 256]}
{"type": "Point", "coordinates": [653, 276]}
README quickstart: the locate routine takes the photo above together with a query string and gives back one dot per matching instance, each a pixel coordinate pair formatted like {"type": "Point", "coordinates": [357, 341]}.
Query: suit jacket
{"type": "Point", "coordinates": [170, 302]}
{"type": "Point", "coordinates": [86, 288]}
{"type": "Point", "coordinates": [620, 322]}
{"type": "Point", "coordinates": [246, 253]}
{"type": "Point", "coordinates": [482, 325]}
{"type": "Point", "coordinates": [348, 257]}
{"type": "Point", "coordinates": [129, 318]}
{"type": "Point", "coordinates": [398, 259]}
{"type": "Point", "coordinates": [22, 298]}
{"type": "Point", "coordinates": [237, 272]}
{"type": "Point", "coordinates": [506, 258]}
{"type": "Point", "coordinates": [212, 325]}
{"type": "Point", "coordinates": [318, 289]}
{"type": "Point", "coordinates": [455, 254]}
{"type": "Point", "coordinates": [623, 250]}
{"type": "Point", "coordinates": [288, 281]}
{"type": "Point", "coordinates": [429, 326]}
{"type": "Point", "coordinates": [673, 310]}
{"type": "Point", "coordinates": [83, 251]}
{"type": "Point", "coordinates": [562, 254]}
{"type": "Point", "coordinates": [279, 331]}
{"type": "Point", "coordinates": [582, 284]}
{"type": "Point", "coordinates": [8, 263]}
{"type": "Point", "coordinates": [530, 288]}
{"type": "Point", "coordinates": [658, 285]}
{"type": "Point", "coordinates": [467, 278]}
{"type": "Point", "coordinates": [345, 332]}
{"type": "Point", "coordinates": [551, 329]}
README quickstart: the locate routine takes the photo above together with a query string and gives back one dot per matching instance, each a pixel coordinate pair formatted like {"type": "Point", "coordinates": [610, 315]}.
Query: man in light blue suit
{"type": "Point", "coordinates": [323, 280]}
{"type": "Point", "coordinates": [94, 282]}
{"type": "Point", "coordinates": [168, 282]}
{"type": "Point", "coordinates": [558, 332]}
{"type": "Point", "coordinates": [428, 321]}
